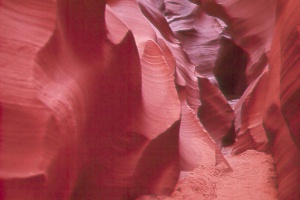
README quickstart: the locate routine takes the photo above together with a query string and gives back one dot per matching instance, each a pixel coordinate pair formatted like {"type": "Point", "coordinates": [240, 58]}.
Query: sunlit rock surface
{"type": "Point", "coordinates": [116, 99]}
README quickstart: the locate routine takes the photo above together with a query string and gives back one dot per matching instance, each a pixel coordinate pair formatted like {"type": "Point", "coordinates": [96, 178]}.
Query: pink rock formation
{"type": "Point", "coordinates": [113, 99]}
{"type": "Point", "coordinates": [282, 112]}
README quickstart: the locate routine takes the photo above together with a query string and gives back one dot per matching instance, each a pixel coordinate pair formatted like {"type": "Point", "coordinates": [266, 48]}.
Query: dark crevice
{"type": "Point", "coordinates": [230, 69]}
{"type": "Point", "coordinates": [229, 138]}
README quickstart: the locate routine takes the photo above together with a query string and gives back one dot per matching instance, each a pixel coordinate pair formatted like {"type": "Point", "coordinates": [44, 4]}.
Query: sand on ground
{"type": "Point", "coordinates": [253, 177]}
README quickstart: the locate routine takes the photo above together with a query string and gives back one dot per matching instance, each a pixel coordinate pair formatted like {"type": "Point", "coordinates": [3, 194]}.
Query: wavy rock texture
{"type": "Point", "coordinates": [248, 112]}
{"type": "Point", "coordinates": [282, 114]}
{"type": "Point", "coordinates": [209, 95]}
{"type": "Point", "coordinates": [99, 104]}
{"type": "Point", "coordinates": [250, 24]}
{"type": "Point", "coordinates": [116, 99]}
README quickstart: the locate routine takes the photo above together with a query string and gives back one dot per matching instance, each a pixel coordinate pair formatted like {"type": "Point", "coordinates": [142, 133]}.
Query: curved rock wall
{"type": "Point", "coordinates": [112, 99]}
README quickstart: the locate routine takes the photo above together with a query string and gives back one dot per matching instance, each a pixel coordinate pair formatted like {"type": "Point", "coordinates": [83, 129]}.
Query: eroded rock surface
{"type": "Point", "coordinates": [116, 99]}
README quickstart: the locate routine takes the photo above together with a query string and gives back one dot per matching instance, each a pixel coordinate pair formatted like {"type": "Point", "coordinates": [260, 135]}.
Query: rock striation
{"type": "Point", "coordinates": [113, 99]}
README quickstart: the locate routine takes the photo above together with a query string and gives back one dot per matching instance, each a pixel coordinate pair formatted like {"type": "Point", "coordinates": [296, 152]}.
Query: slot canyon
{"type": "Point", "coordinates": [149, 99]}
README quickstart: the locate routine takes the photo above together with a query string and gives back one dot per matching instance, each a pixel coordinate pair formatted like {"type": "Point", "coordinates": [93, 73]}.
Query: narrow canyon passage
{"type": "Point", "coordinates": [149, 99]}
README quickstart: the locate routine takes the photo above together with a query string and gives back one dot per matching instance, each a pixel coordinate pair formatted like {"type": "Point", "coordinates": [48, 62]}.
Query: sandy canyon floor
{"type": "Point", "coordinates": [253, 177]}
